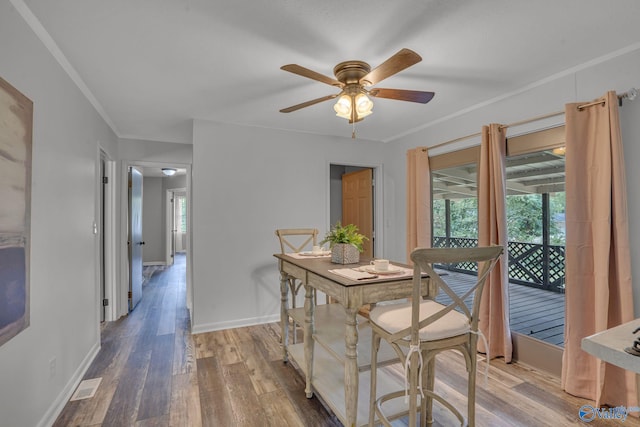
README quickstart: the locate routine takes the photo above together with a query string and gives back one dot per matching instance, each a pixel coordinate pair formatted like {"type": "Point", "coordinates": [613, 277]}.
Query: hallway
{"type": "Point", "coordinates": [146, 361]}
{"type": "Point", "coordinates": [150, 375]}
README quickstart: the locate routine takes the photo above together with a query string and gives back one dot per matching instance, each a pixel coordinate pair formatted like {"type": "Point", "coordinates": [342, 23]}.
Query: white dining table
{"type": "Point", "coordinates": [351, 294]}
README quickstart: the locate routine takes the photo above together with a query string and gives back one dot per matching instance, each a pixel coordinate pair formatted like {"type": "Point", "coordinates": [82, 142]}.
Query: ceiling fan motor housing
{"type": "Point", "coordinates": [350, 72]}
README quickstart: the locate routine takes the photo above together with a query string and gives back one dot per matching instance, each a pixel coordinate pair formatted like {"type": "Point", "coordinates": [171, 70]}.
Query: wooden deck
{"type": "Point", "coordinates": [533, 312]}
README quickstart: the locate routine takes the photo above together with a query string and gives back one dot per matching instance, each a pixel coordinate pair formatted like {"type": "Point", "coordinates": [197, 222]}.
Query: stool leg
{"type": "Point", "coordinates": [428, 382]}
{"type": "Point", "coordinates": [375, 346]}
{"type": "Point", "coordinates": [473, 362]}
{"type": "Point", "coordinates": [413, 388]}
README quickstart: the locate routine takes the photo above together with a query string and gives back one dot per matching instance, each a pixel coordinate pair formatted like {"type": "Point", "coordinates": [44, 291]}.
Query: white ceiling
{"type": "Point", "coordinates": [154, 65]}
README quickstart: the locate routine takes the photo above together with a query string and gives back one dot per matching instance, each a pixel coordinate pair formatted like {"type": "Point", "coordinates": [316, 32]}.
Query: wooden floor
{"type": "Point", "coordinates": [155, 373]}
{"type": "Point", "coordinates": [533, 312]}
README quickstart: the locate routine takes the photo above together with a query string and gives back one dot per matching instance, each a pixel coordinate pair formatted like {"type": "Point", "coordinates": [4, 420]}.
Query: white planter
{"type": "Point", "coordinates": [343, 253]}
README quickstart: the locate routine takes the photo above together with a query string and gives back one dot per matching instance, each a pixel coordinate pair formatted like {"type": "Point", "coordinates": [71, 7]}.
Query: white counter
{"type": "Point", "coordinates": [609, 346]}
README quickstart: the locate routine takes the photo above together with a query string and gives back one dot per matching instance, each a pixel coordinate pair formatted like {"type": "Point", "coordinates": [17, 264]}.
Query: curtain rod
{"type": "Point", "coordinates": [631, 94]}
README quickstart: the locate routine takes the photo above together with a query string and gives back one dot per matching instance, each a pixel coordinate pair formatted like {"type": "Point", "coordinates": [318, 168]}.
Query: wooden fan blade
{"type": "Point", "coordinates": [405, 58]}
{"type": "Point", "coordinates": [308, 103]}
{"type": "Point", "coordinates": [305, 72]}
{"type": "Point", "coordinates": [403, 95]}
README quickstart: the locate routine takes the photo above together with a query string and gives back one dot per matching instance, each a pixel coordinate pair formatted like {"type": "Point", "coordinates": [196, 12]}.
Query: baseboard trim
{"type": "Point", "coordinates": [537, 354]}
{"type": "Point", "coordinates": [59, 403]}
{"type": "Point", "coordinates": [219, 326]}
{"type": "Point", "coordinates": [146, 264]}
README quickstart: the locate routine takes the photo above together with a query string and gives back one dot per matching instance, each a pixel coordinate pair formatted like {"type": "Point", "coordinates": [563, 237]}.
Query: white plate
{"type": "Point", "coordinates": [392, 270]}
{"type": "Point", "coordinates": [309, 253]}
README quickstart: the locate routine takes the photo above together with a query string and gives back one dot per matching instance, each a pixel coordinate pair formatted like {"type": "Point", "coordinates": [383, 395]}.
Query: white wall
{"type": "Point", "coordinates": [64, 295]}
{"type": "Point", "coordinates": [176, 181]}
{"type": "Point", "coordinates": [137, 150]}
{"type": "Point", "coordinates": [247, 182]}
{"type": "Point", "coordinates": [154, 192]}
{"type": "Point", "coordinates": [619, 73]}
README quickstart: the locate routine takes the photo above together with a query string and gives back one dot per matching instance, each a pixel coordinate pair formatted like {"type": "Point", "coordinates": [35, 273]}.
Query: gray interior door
{"type": "Point", "coordinates": [135, 237]}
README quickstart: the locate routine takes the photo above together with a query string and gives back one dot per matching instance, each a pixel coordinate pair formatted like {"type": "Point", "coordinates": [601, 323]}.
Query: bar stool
{"type": "Point", "coordinates": [293, 240]}
{"type": "Point", "coordinates": [419, 329]}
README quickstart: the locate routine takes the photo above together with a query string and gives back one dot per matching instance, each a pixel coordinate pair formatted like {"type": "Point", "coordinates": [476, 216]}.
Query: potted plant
{"type": "Point", "coordinates": [345, 243]}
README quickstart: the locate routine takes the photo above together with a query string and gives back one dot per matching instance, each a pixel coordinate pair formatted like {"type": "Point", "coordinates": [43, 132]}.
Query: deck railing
{"type": "Point", "coordinates": [530, 264]}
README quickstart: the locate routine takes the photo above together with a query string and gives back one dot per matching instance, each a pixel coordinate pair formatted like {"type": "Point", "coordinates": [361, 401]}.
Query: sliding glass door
{"type": "Point", "coordinates": [535, 220]}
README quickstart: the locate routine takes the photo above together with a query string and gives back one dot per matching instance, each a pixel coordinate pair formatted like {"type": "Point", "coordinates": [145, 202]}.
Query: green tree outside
{"type": "Point", "coordinates": [524, 218]}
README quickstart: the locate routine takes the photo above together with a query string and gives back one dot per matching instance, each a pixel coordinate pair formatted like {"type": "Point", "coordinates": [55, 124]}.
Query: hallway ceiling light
{"type": "Point", "coordinates": [169, 171]}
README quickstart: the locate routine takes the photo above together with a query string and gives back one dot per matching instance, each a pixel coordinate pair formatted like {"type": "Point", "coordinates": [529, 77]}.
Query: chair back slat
{"type": "Point", "coordinates": [286, 242]}
{"type": "Point", "coordinates": [425, 258]}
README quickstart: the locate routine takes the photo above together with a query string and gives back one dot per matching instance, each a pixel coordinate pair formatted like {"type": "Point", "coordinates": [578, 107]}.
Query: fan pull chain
{"type": "Point", "coordinates": [353, 132]}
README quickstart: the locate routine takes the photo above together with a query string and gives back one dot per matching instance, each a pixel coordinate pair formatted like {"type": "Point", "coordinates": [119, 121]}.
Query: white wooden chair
{"type": "Point", "coordinates": [294, 240]}
{"type": "Point", "coordinates": [419, 329]}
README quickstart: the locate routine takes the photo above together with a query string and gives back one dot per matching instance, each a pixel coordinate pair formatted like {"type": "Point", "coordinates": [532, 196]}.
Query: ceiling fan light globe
{"type": "Point", "coordinates": [363, 105]}
{"type": "Point", "coordinates": [343, 107]}
{"type": "Point", "coordinates": [364, 114]}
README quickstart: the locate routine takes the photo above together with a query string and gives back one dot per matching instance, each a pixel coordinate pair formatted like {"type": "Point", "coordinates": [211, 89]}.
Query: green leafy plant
{"type": "Point", "coordinates": [347, 234]}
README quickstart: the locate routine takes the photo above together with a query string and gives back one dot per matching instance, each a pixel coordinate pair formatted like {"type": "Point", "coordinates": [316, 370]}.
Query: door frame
{"type": "Point", "coordinates": [120, 292]}
{"type": "Point", "coordinates": [108, 238]}
{"type": "Point", "coordinates": [378, 206]}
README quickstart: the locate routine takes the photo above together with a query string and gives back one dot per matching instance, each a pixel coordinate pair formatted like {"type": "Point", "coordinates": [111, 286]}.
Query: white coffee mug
{"type": "Point", "coordinates": [380, 264]}
{"type": "Point", "coordinates": [316, 250]}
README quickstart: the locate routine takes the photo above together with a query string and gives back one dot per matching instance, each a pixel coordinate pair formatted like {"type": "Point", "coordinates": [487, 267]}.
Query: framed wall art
{"type": "Point", "coordinates": [16, 121]}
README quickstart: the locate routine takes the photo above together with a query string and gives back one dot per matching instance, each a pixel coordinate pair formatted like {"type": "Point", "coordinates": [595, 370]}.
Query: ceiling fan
{"type": "Point", "coordinates": [354, 79]}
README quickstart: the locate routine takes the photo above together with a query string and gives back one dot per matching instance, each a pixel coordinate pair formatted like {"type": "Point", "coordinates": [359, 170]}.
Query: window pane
{"type": "Point", "coordinates": [439, 217]}
{"type": "Point", "coordinates": [464, 218]}
{"type": "Point", "coordinates": [182, 206]}
{"type": "Point", "coordinates": [524, 218]}
{"type": "Point", "coordinates": [535, 222]}
{"type": "Point", "coordinates": [455, 206]}
{"type": "Point", "coordinates": [557, 232]}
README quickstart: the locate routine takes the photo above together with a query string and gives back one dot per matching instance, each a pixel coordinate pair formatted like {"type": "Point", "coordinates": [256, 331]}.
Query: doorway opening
{"type": "Point", "coordinates": [176, 223]}
{"type": "Point", "coordinates": [156, 224]}
{"type": "Point", "coordinates": [354, 199]}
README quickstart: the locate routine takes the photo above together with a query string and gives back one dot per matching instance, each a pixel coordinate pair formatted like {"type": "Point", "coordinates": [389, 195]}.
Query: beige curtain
{"type": "Point", "coordinates": [418, 200]}
{"type": "Point", "coordinates": [598, 270]}
{"type": "Point", "coordinates": [492, 230]}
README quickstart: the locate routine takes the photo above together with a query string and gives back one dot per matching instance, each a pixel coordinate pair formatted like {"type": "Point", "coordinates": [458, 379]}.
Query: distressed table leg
{"type": "Point", "coordinates": [284, 316]}
{"type": "Point", "coordinates": [309, 322]}
{"type": "Point", "coordinates": [351, 373]}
